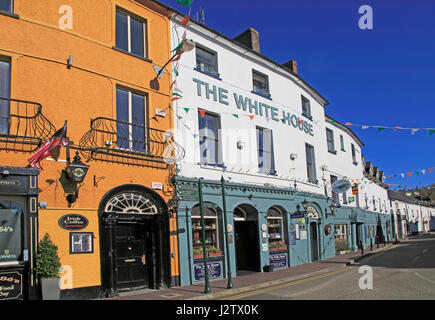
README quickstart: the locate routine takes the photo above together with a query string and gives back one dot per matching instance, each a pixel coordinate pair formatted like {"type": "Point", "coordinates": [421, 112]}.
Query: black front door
{"type": "Point", "coordinates": [247, 245]}
{"type": "Point", "coordinates": [132, 241]}
{"type": "Point", "coordinates": [314, 242]}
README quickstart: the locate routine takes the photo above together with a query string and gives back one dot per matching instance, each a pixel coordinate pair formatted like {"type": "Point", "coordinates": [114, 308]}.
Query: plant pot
{"type": "Point", "coordinates": [50, 289]}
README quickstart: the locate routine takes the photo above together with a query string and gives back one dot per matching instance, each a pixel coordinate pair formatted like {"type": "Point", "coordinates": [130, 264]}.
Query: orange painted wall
{"type": "Point", "coordinates": [39, 50]}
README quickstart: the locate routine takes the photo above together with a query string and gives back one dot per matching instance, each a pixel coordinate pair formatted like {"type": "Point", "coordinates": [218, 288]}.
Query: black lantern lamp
{"type": "Point", "coordinates": [174, 203]}
{"type": "Point", "coordinates": [332, 208]}
{"type": "Point", "coordinates": [77, 170]}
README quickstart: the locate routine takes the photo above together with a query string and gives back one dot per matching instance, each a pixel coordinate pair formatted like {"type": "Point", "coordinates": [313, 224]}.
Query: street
{"type": "Point", "coordinates": [407, 271]}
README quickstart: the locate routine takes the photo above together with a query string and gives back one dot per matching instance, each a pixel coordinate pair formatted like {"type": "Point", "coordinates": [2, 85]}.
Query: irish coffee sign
{"type": "Point", "coordinates": [73, 222]}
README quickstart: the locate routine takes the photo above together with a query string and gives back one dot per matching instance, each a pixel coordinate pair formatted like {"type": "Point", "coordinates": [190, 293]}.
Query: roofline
{"type": "Point", "coordinates": [326, 102]}
{"type": "Point", "coordinates": [342, 126]}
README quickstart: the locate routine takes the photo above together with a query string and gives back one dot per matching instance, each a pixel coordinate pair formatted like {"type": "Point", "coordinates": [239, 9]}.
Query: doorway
{"type": "Point", "coordinates": [314, 242]}
{"type": "Point", "coordinates": [132, 249]}
{"type": "Point", "coordinates": [247, 243]}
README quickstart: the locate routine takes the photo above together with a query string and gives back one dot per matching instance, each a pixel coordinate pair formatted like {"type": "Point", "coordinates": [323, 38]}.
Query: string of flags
{"type": "Point", "coordinates": [416, 172]}
{"type": "Point", "coordinates": [431, 131]}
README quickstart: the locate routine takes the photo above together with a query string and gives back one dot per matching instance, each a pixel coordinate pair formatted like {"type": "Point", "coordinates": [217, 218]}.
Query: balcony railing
{"type": "Point", "coordinates": [23, 127]}
{"type": "Point", "coordinates": [128, 143]}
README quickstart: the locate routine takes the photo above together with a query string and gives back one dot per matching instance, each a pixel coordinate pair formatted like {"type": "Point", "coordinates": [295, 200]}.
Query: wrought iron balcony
{"type": "Point", "coordinates": [128, 143]}
{"type": "Point", "coordinates": [23, 127]}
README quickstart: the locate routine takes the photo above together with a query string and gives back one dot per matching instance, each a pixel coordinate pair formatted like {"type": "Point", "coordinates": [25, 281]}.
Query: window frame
{"type": "Point", "coordinates": [12, 8]}
{"type": "Point", "coordinates": [7, 60]}
{"type": "Point", "coordinates": [211, 216]}
{"type": "Point", "coordinates": [342, 143]}
{"type": "Point", "coordinates": [353, 154]}
{"type": "Point", "coordinates": [310, 149]}
{"type": "Point", "coordinates": [215, 59]}
{"type": "Point", "coordinates": [306, 102]}
{"type": "Point", "coordinates": [281, 223]}
{"type": "Point", "coordinates": [265, 94]}
{"type": "Point", "coordinates": [271, 170]}
{"type": "Point", "coordinates": [71, 247]}
{"type": "Point", "coordinates": [144, 22]}
{"type": "Point", "coordinates": [130, 122]}
{"type": "Point", "coordinates": [330, 141]}
{"type": "Point", "coordinates": [217, 139]}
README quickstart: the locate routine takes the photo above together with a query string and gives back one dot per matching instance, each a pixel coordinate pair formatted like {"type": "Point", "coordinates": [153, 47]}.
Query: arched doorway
{"type": "Point", "coordinates": [246, 238]}
{"type": "Point", "coordinates": [134, 240]}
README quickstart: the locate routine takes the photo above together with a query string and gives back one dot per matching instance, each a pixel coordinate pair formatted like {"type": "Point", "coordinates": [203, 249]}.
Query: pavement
{"type": "Point", "coordinates": [255, 280]}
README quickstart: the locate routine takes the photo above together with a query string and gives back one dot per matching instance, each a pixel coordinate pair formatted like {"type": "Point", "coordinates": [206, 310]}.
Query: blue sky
{"type": "Point", "coordinates": [380, 77]}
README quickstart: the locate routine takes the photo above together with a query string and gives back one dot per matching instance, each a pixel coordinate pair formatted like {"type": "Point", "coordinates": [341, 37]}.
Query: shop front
{"type": "Point", "coordinates": [18, 233]}
{"type": "Point", "coordinates": [266, 229]}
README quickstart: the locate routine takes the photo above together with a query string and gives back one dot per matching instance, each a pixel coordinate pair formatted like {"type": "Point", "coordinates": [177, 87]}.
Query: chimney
{"type": "Point", "coordinates": [250, 38]}
{"type": "Point", "coordinates": [292, 65]}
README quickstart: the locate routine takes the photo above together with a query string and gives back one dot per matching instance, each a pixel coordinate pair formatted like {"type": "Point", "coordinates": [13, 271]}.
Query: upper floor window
{"type": "Point", "coordinates": [5, 88]}
{"type": "Point", "coordinates": [260, 83]}
{"type": "Point", "coordinates": [342, 142]}
{"type": "Point", "coordinates": [206, 61]}
{"type": "Point", "coordinates": [7, 5]}
{"type": "Point", "coordinates": [311, 163]}
{"type": "Point", "coordinates": [330, 141]}
{"type": "Point", "coordinates": [354, 154]}
{"type": "Point", "coordinates": [306, 108]}
{"type": "Point", "coordinates": [209, 125]}
{"type": "Point", "coordinates": [266, 162]}
{"type": "Point", "coordinates": [130, 114]}
{"type": "Point", "coordinates": [131, 33]}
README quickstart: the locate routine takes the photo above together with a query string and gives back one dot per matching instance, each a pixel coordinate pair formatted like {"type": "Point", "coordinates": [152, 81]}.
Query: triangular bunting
{"type": "Point", "coordinates": [235, 115]}
{"type": "Point", "coordinates": [202, 112]}
{"type": "Point", "coordinates": [185, 21]}
{"type": "Point", "coordinates": [186, 109]}
{"type": "Point", "coordinates": [251, 117]}
{"type": "Point", "coordinates": [413, 131]}
{"type": "Point", "coordinates": [380, 129]}
{"type": "Point", "coordinates": [364, 127]}
{"type": "Point", "coordinates": [431, 132]}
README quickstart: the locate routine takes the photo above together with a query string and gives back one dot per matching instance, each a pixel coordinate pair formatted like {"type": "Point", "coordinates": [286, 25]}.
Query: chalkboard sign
{"type": "Point", "coordinates": [11, 285]}
{"type": "Point", "coordinates": [278, 261]}
{"type": "Point", "coordinates": [73, 222]}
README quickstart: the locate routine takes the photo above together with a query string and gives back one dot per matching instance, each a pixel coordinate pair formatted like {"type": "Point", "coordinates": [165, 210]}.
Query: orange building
{"type": "Point", "coordinates": [94, 64]}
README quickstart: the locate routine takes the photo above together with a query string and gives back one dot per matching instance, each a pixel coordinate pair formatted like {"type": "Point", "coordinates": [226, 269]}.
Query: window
{"type": "Point", "coordinates": [7, 5]}
{"type": "Point", "coordinates": [342, 142]}
{"type": "Point", "coordinates": [206, 61]}
{"type": "Point", "coordinates": [130, 34]}
{"type": "Point", "coordinates": [130, 116]}
{"type": "Point", "coordinates": [354, 154]}
{"type": "Point", "coordinates": [334, 195]}
{"type": "Point", "coordinates": [306, 108]}
{"type": "Point", "coordinates": [330, 141]}
{"type": "Point", "coordinates": [212, 227]}
{"type": "Point", "coordinates": [5, 83]}
{"type": "Point", "coordinates": [260, 83]}
{"type": "Point", "coordinates": [265, 151]}
{"type": "Point", "coordinates": [209, 138]}
{"type": "Point", "coordinates": [340, 231]}
{"type": "Point", "coordinates": [275, 226]}
{"type": "Point", "coordinates": [311, 163]}
{"type": "Point", "coordinates": [81, 242]}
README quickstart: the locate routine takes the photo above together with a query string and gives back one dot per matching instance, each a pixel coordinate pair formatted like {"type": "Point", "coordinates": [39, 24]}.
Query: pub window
{"type": "Point", "coordinates": [265, 151]}
{"type": "Point", "coordinates": [5, 88]}
{"type": "Point", "coordinates": [131, 33]}
{"type": "Point", "coordinates": [81, 242]}
{"type": "Point", "coordinates": [306, 108]}
{"type": "Point", "coordinates": [7, 5]}
{"type": "Point", "coordinates": [340, 231]}
{"type": "Point", "coordinates": [11, 234]}
{"type": "Point", "coordinates": [311, 163]}
{"type": "Point", "coordinates": [212, 226]}
{"type": "Point", "coordinates": [209, 138]}
{"type": "Point", "coordinates": [335, 196]}
{"type": "Point", "coordinates": [206, 61]}
{"type": "Point", "coordinates": [275, 227]}
{"type": "Point", "coordinates": [260, 83]}
{"type": "Point", "coordinates": [130, 116]}
{"type": "Point", "coordinates": [342, 142]}
{"type": "Point", "coordinates": [330, 141]}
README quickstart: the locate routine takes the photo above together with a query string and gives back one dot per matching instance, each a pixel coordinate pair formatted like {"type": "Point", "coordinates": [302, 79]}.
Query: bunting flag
{"type": "Point", "coordinates": [395, 128]}
{"type": "Point", "coordinates": [184, 3]}
{"type": "Point", "coordinates": [172, 84]}
{"type": "Point", "coordinates": [251, 117]}
{"type": "Point", "coordinates": [202, 112]}
{"type": "Point", "coordinates": [186, 109]}
{"type": "Point", "coordinates": [236, 115]}
{"type": "Point", "coordinates": [185, 21]}
{"type": "Point", "coordinates": [409, 173]}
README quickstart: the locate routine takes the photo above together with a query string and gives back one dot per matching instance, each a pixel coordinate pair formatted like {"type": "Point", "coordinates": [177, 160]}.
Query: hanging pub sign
{"type": "Point", "coordinates": [10, 235]}
{"type": "Point", "coordinates": [328, 229]}
{"type": "Point", "coordinates": [355, 190]}
{"type": "Point", "coordinates": [11, 285]}
{"type": "Point", "coordinates": [73, 222]}
{"type": "Point", "coordinates": [340, 186]}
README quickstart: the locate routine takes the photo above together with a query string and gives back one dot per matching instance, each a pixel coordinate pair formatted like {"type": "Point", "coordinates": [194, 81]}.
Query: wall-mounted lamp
{"type": "Point", "coordinates": [185, 46]}
{"type": "Point", "coordinates": [240, 145]}
{"type": "Point", "coordinates": [293, 156]}
{"type": "Point", "coordinates": [332, 208]}
{"type": "Point", "coordinates": [173, 204]}
{"type": "Point", "coordinates": [69, 62]}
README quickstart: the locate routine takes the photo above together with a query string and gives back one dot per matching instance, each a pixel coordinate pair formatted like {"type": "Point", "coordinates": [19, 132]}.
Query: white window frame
{"type": "Point", "coordinates": [144, 28]}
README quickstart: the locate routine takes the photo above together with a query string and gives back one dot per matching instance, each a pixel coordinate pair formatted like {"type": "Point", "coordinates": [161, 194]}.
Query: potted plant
{"type": "Point", "coordinates": [214, 252]}
{"type": "Point", "coordinates": [341, 246]}
{"type": "Point", "coordinates": [47, 268]}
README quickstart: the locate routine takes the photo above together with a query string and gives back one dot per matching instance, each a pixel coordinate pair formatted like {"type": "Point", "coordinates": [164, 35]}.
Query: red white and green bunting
{"type": "Point", "coordinates": [431, 131]}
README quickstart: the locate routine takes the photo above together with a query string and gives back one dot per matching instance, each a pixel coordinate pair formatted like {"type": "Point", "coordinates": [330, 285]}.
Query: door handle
{"type": "Point", "coordinates": [143, 259]}
{"type": "Point", "coordinates": [129, 260]}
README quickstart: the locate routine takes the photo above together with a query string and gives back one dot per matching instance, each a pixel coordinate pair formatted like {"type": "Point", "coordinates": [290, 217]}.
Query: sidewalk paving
{"type": "Point", "coordinates": [251, 281]}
